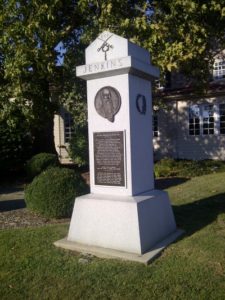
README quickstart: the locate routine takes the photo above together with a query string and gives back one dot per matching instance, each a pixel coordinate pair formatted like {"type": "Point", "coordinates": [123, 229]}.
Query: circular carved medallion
{"type": "Point", "coordinates": [107, 102]}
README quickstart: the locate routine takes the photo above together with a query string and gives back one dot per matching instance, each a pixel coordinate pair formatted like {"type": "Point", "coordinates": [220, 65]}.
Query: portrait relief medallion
{"type": "Point", "coordinates": [107, 102]}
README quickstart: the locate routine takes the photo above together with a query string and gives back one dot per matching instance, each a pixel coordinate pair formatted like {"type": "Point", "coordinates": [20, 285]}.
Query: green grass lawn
{"type": "Point", "coordinates": [192, 268]}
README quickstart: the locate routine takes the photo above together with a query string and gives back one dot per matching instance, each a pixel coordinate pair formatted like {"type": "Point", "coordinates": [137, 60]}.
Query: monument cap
{"type": "Point", "coordinates": [108, 46]}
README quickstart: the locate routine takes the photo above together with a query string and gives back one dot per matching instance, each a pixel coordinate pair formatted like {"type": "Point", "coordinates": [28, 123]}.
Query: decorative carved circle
{"type": "Point", "coordinates": [141, 104]}
{"type": "Point", "coordinates": [107, 102]}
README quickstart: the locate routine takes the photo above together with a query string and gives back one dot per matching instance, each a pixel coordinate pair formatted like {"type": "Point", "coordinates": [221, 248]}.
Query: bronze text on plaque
{"type": "Point", "coordinates": [109, 158]}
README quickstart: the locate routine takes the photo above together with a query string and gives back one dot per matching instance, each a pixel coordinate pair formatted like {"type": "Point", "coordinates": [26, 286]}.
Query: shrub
{"type": "Point", "coordinates": [190, 168]}
{"type": "Point", "coordinates": [39, 163]}
{"type": "Point", "coordinates": [187, 168]}
{"type": "Point", "coordinates": [78, 148]}
{"type": "Point", "coordinates": [53, 192]}
{"type": "Point", "coordinates": [165, 168]}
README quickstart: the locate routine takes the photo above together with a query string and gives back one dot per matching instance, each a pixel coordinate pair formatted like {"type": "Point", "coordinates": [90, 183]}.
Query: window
{"type": "Point", "coordinates": [208, 119]}
{"type": "Point", "coordinates": [194, 120]}
{"type": "Point", "coordinates": [219, 69]}
{"type": "Point", "coordinates": [222, 118]}
{"type": "Point", "coordinates": [155, 123]}
{"type": "Point", "coordinates": [68, 127]}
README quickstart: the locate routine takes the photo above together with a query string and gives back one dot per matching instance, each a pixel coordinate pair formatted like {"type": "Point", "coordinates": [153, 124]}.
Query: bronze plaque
{"type": "Point", "coordinates": [109, 158]}
{"type": "Point", "coordinates": [107, 102]}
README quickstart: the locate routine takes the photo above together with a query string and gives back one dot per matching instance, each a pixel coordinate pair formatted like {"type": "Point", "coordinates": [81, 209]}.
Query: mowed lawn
{"type": "Point", "coordinates": [192, 268]}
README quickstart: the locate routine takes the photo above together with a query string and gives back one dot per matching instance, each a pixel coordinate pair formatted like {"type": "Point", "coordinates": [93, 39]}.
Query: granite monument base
{"type": "Point", "coordinates": [140, 226]}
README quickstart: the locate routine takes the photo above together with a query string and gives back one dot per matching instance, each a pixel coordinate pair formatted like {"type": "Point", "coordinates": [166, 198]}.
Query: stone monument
{"type": "Point", "coordinates": [123, 216]}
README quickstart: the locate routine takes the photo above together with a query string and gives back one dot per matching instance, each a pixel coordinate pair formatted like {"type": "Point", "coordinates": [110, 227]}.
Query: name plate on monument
{"type": "Point", "coordinates": [109, 158]}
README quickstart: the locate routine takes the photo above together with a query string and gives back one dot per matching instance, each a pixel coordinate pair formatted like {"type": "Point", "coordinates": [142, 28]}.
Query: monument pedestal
{"type": "Point", "coordinates": [127, 227]}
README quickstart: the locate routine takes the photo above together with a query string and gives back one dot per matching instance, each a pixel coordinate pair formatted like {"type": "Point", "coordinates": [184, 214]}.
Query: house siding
{"type": "Point", "coordinates": [165, 143]}
{"type": "Point", "coordinates": [174, 139]}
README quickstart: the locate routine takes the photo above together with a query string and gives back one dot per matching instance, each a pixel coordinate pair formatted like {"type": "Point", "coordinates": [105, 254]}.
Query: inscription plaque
{"type": "Point", "coordinates": [109, 158]}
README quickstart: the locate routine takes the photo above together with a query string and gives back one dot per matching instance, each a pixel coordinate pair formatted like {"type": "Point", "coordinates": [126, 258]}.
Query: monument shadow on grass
{"type": "Point", "coordinates": [194, 216]}
{"type": "Point", "coordinates": [165, 183]}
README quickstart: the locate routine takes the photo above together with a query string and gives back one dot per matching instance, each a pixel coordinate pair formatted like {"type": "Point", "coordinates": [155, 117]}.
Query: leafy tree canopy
{"type": "Point", "coordinates": [186, 34]}
{"type": "Point", "coordinates": [180, 34]}
{"type": "Point", "coordinates": [29, 34]}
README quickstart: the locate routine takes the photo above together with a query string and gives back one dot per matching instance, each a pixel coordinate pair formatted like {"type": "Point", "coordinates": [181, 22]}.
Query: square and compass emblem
{"type": "Point", "coordinates": [105, 46]}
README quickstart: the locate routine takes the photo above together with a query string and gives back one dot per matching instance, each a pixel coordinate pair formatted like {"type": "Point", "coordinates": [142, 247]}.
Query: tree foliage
{"type": "Point", "coordinates": [181, 35]}
{"type": "Point", "coordinates": [15, 137]}
{"type": "Point", "coordinates": [29, 34]}
{"type": "Point", "coordinates": [186, 34]}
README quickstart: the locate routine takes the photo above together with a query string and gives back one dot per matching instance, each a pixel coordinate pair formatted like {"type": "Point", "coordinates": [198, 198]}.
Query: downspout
{"type": "Point", "coordinates": [177, 143]}
{"type": "Point", "coordinates": [60, 144]}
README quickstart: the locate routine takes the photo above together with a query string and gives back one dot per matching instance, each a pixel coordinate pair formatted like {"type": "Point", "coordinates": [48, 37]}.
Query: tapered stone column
{"type": "Point", "coordinates": [123, 214]}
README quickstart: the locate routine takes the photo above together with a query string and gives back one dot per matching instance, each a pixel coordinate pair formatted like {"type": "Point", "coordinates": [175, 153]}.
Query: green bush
{"type": "Point", "coordinates": [39, 163]}
{"type": "Point", "coordinates": [53, 192]}
{"type": "Point", "coordinates": [187, 168]}
{"type": "Point", "coordinates": [192, 168]}
{"type": "Point", "coordinates": [165, 168]}
{"type": "Point", "coordinates": [78, 148]}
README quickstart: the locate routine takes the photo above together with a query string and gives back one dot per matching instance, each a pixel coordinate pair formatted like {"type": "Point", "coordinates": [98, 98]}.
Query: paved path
{"type": "Point", "coordinates": [11, 198]}
{"type": "Point", "coordinates": [11, 193]}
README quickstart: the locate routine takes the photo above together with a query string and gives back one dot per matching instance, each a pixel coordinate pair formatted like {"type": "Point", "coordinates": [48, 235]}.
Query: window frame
{"type": "Point", "coordinates": [155, 123]}
{"type": "Point", "coordinates": [68, 127]}
{"type": "Point", "coordinates": [194, 122]}
{"type": "Point", "coordinates": [210, 125]}
{"type": "Point", "coordinates": [218, 70]}
{"type": "Point", "coordinates": [208, 121]}
{"type": "Point", "coordinates": [223, 115]}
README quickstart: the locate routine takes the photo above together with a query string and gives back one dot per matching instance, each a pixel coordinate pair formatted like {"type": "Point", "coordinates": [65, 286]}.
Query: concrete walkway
{"type": "Point", "coordinates": [11, 198]}
{"type": "Point", "coordinates": [11, 193]}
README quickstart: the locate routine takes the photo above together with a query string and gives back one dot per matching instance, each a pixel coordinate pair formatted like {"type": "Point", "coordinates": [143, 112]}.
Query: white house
{"type": "Point", "coordinates": [189, 126]}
